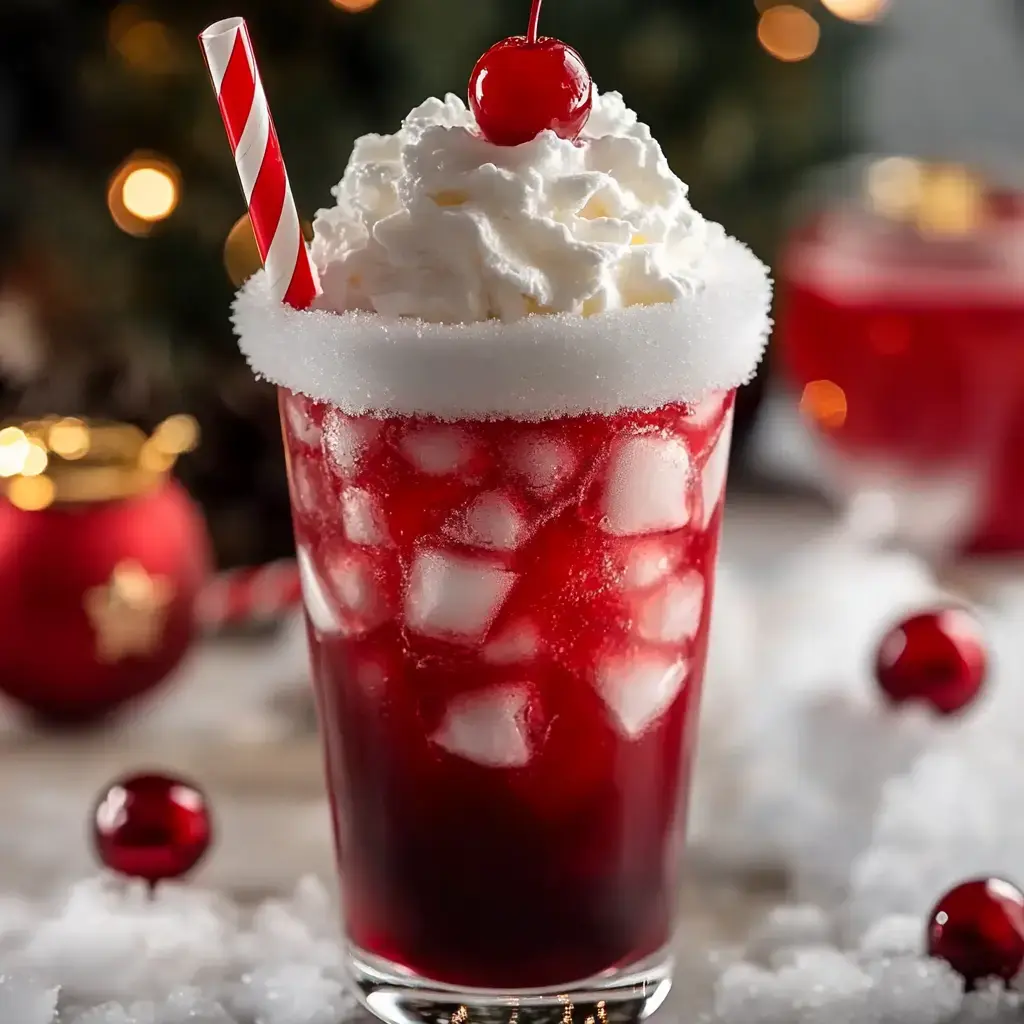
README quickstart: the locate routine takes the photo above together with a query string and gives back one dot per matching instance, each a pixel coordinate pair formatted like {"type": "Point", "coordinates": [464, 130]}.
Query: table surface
{"type": "Point", "coordinates": [229, 720]}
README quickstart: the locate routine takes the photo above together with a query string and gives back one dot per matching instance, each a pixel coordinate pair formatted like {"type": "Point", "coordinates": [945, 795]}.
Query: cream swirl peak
{"type": "Point", "coordinates": [435, 222]}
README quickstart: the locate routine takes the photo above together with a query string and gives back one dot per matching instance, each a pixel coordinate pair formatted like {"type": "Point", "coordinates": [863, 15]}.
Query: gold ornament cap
{"type": "Point", "coordinates": [69, 461]}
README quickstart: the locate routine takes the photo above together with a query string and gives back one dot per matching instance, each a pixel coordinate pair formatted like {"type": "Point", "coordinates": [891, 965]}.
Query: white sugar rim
{"type": "Point", "coordinates": [532, 369]}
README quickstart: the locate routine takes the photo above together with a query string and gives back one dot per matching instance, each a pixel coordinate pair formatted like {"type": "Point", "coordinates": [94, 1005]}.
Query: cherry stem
{"type": "Point", "coordinates": [531, 35]}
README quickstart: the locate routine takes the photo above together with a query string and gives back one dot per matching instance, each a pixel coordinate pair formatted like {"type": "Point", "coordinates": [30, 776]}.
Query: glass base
{"type": "Point", "coordinates": [620, 996]}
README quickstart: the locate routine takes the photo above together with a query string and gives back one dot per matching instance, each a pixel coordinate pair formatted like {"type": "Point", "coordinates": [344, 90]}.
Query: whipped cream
{"type": "Point", "coordinates": [437, 223]}
{"type": "Point", "coordinates": [441, 245]}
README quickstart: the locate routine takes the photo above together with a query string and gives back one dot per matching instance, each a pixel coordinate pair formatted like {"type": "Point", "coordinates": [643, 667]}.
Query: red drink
{"type": "Point", "coordinates": [909, 352]}
{"type": "Point", "coordinates": [509, 624]}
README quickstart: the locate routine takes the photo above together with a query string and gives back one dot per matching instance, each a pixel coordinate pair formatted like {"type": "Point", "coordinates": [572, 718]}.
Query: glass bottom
{"type": "Point", "coordinates": [619, 996]}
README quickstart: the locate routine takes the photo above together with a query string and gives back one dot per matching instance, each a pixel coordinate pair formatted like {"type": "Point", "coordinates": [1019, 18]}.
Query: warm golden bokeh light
{"type": "Point", "coordinates": [788, 33]}
{"type": "Point", "coordinates": [154, 459]}
{"type": "Point", "coordinates": [143, 191]}
{"type": "Point", "coordinates": [36, 458]}
{"type": "Point", "coordinates": [177, 435]}
{"type": "Point", "coordinates": [894, 186]}
{"type": "Point", "coordinates": [150, 193]}
{"type": "Point", "coordinates": [241, 254]}
{"type": "Point", "coordinates": [952, 203]}
{"type": "Point", "coordinates": [14, 450]}
{"type": "Point", "coordinates": [824, 402]}
{"type": "Point", "coordinates": [31, 493]}
{"type": "Point", "coordinates": [70, 439]}
{"type": "Point", "coordinates": [353, 6]}
{"type": "Point", "coordinates": [861, 11]}
{"type": "Point", "coordinates": [148, 47]}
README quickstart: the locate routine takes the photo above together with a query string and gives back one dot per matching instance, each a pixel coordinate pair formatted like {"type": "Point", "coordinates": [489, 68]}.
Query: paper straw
{"type": "Point", "coordinates": [246, 113]}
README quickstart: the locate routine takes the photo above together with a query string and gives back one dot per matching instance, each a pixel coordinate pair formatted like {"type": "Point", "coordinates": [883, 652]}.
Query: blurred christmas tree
{"type": "Point", "coordinates": [118, 191]}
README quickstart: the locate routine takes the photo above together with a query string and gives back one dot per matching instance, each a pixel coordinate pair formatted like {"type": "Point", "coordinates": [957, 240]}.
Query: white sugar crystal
{"type": "Point", "coordinates": [362, 517]}
{"type": "Point", "coordinates": [437, 451]}
{"type": "Point", "coordinates": [292, 994]}
{"type": "Point", "coordinates": [302, 426]}
{"type": "Point", "coordinates": [715, 471]}
{"type": "Point", "coordinates": [544, 464]}
{"type": "Point", "coordinates": [346, 440]}
{"type": "Point", "coordinates": [911, 990]}
{"type": "Point", "coordinates": [453, 597]}
{"type": "Point", "coordinates": [647, 563]}
{"type": "Point", "coordinates": [895, 935]}
{"type": "Point", "coordinates": [647, 486]}
{"type": "Point", "coordinates": [492, 521]}
{"type": "Point", "coordinates": [787, 927]}
{"type": "Point", "coordinates": [516, 644]}
{"type": "Point", "coordinates": [318, 604]}
{"type": "Point", "coordinates": [531, 369]}
{"type": "Point", "coordinates": [488, 728]}
{"type": "Point", "coordinates": [25, 1002]}
{"type": "Point", "coordinates": [638, 688]}
{"type": "Point", "coordinates": [672, 613]}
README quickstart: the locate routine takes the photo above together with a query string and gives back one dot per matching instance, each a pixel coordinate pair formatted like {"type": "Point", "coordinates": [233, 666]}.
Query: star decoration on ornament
{"type": "Point", "coordinates": [128, 612]}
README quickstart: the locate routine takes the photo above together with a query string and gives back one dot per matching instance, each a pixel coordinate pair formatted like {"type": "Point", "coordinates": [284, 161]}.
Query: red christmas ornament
{"type": "Point", "coordinates": [978, 929]}
{"type": "Point", "coordinates": [527, 84]}
{"type": "Point", "coordinates": [102, 557]}
{"type": "Point", "coordinates": [938, 657]}
{"type": "Point", "coordinates": [151, 826]}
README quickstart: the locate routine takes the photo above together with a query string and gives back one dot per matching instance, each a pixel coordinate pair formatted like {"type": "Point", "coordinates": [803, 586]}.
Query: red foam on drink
{"type": "Point", "coordinates": [261, 170]}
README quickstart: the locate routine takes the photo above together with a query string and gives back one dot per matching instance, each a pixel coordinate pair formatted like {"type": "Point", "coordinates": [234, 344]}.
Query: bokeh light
{"type": "Point", "coordinates": [144, 190]}
{"type": "Point", "coordinates": [788, 33]}
{"type": "Point", "coordinates": [353, 6]}
{"type": "Point", "coordinates": [824, 403]}
{"type": "Point", "coordinates": [14, 450]}
{"type": "Point", "coordinates": [861, 11]}
{"type": "Point", "coordinates": [70, 439]}
{"type": "Point", "coordinates": [32, 493]}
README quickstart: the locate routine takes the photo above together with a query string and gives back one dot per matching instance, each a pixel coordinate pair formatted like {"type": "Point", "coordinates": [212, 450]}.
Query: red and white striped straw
{"type": "Point", "coordinates": [253, 137]}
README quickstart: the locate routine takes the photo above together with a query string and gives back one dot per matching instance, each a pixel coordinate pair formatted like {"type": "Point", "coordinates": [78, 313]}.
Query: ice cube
{"type": "Point", "coordinates": [306, 487]}
{"type": "Point", "coordinates": [454, 597]}
{"type": "Point", "coordinates": [351, 579]}
{"type": "Point", "coordinates": [672, 613]}
{"type": "Point", "coordinates": [319, 607]}
{"type": "Point", "coordinates": [437, 451]}
{"type": "Point", "coordinates": [647, 486]}
{"type": "Point", "coordinates": [301, 425]}
{"type": "Point", "coordinates": [715, 471]}
{"type": "Point", "coordinates": [488, 728]}
{"type": "Point", "coordinates": [346, 439]}
{"type": "Point", "coordinates": [362, 517]}
{"type": "Point", "coordinates": [647, 563]}
{"type": "Point", "coordinates": [544, 464]}
{"type": "Point", "coordinates": [638, 688]}
{"type": "Point", "coordinates": [516, 644]}
{"type": "Point", "coordinates": [491, 521]}
{"type": "Point", "coordinates": [23, 1001]}
{"type": "Point", "coordinates": [372, 676]}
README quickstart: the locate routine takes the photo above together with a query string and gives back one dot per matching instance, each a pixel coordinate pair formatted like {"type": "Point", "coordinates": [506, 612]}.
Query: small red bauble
{"type": "Point", "coordinates": [152, 827]}
{"type": "Point", "coordinates": [937, 657]}
{"type": "Point", "coordinates": [525, 85]}
{"type": "Point", "coordinates": [978, 929]}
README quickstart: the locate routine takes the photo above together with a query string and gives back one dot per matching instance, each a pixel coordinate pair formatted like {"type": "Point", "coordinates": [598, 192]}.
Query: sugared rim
{"type": "Point", "coordinates": [537, 368]}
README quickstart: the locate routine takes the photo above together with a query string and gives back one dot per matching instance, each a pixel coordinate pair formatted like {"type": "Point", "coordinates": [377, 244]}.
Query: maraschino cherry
{"type": "Point", "coordinates": [938, 657]}
{"type": "Point", "coordinates": [152, 827]}
{"type": "Point", "coordinates": [978, 929]}
{"type": "Point", "coordinates": [527, 84]}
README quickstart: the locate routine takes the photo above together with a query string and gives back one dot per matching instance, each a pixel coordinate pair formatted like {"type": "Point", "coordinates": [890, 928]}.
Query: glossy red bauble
{"type": "Point", "coordinates": [152, 827]}
{"type": "Point", "coordinates": [978, 929]}
{"type": "Point", "coordinates": [938, 657]}
{"type": "Point", "coordinates": [525, 85]}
